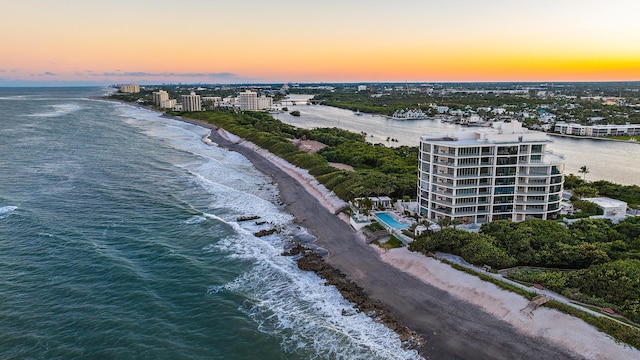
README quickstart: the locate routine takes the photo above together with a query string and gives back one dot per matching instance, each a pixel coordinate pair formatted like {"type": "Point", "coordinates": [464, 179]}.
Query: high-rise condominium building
{"type": "Point", "coordinates": [129, 88]}
{"type": "Point", "coordinates": [191, 102]}
{"type": "Point", "coordinates": [159, 97]}
{"type": "Point", "coordinates": [487, 174]}
{"type": "Point", "coordinates": [265, 102]}
{"type": "Point", "coordinates": [248, 100]}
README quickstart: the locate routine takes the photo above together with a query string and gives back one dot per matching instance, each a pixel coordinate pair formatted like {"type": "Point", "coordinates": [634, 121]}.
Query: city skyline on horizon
{"type": "Point", "coordinates": [71, 42]}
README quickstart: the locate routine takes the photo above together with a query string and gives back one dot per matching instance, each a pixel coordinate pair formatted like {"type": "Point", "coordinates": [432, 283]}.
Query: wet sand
{"type": "Point", "coordinates": [453, 328]}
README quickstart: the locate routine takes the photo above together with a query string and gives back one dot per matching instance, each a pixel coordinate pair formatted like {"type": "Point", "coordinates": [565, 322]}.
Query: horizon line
{"type": "Point", "coordinates": [83, 84]}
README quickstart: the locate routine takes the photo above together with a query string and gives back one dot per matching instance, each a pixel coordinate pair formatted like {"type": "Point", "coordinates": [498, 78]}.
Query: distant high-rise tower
{"type": "Point", "coordinates": [191, 102]}
{"type": "Point", "coordinates": [160, 96]}
{"type": "Point", "coordinates": [129, 88]}
{"type": "Point", "coordinates": [248, 100]}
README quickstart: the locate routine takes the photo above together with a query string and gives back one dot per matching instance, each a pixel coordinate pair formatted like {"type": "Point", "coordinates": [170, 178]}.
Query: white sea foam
{"type": "Point", "coordinates": [58, 110]}
{"type": "Point", "coordinates": [292, 305]}
{"type": "Point", "coordinates": [296, 306]}
{"type": "Point", "coordinates": [18, 97]}
{"type": "Point", "coordinates": [6, 211]}
{"type": "Point", "coordinates": [197, 219]}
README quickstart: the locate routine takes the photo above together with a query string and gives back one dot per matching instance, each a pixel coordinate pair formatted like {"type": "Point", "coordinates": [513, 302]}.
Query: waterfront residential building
{"type": "Point", "coordinates": [611, 208]}
{"type": "Point", "coordinates": [129, 88]}
{"type": "Point", "coordinates": [487, 174]}
{"type": "Point", "coordinates": [191, 102]}
{"type": "Point", "coordinates": [159, 97]}
{"type": "Point", "coordinates": [168, 104]}
{"type": "Point", "coordinates": [597, 130]}
{"type": "Point", "coordinates": [248, 100]}
{"type": "Point", "coordinates": [265, 102]}
{"type": "Point", "coordinates": [212, 101]}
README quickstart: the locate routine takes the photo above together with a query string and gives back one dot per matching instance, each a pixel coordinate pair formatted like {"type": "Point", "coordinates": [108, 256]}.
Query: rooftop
{"type": "Point", "coordinates": [500, 132]}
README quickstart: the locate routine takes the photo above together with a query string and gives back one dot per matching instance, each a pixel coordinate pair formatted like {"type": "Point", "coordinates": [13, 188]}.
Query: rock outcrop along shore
{"type": "Point", "coordinates": [309, 260]}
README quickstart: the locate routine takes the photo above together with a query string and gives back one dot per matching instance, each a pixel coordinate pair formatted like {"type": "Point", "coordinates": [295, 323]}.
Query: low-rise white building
{"type": "Point", "coordinates": [597, 130]}
{"type": "Point", "coordinates": [211, 101]}
{"type": "Point", "coordinates": [612, 208]}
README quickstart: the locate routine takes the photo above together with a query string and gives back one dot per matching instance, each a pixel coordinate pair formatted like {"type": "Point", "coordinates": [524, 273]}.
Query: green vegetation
{"type": "Point", "coordinates": [392, 243]}
{"type": "Point", "coordinates": [373, 227]}
{"type": "Point", "coordinates": [627, 193]}
{"type": "Point", "coordinates": [586, 208]}
{"type": "Point", "coordinates": [295, 113]}
{"type": "Point", "coordinates": [571, 102]}
{"type": "Point", "coordinates": [606, 255]}
{"type": "Point", "coordinates": [379, 170]}
{"type": "Point", "coordinates": [615, 284]}
{"type": "Point", "coordinates": [620, 332]}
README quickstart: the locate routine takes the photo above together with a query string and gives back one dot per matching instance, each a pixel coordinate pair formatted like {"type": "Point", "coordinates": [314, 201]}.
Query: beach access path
{"type": "Point", "coordinates": [453, 328]}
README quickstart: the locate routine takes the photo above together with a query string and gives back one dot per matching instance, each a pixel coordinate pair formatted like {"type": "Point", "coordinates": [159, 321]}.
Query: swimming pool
{"type": "Point", "coordinates": [388, 220]}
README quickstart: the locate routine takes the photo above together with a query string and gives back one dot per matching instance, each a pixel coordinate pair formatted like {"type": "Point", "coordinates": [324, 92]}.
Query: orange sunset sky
{"type": "Point", "coordinates": [75, 42]}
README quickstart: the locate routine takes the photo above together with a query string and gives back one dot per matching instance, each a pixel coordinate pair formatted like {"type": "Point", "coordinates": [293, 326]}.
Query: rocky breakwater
{"type": "Point", "coordinates": [309, 260]}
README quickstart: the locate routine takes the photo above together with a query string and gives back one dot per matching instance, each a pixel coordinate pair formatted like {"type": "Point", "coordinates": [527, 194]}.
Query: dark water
{"type": "Point", "coordinates": [618, 162]}
{"type": "Point", "coordinates": [119, 239]}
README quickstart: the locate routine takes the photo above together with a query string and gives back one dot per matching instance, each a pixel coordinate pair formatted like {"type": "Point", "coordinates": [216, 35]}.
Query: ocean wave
{"type": "Point", "coordinates": [310, 319]}
{"type": "Point", "coordinates": [293, 306]}
{"type": "Point", "coordinates": [197, 219]}
{"type": "Point", "coordinates": [6, 211]}
{"type": "Point", "coordinates": [58, 110]}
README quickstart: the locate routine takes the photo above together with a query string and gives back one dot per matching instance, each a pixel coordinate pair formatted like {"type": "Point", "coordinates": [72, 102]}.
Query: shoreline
{"type": "Point", "coordinates": [453, 318]}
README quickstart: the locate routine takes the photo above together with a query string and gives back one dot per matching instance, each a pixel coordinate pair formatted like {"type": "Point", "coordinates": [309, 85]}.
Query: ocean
{"type": "Point", "coordinates": [119, 238]}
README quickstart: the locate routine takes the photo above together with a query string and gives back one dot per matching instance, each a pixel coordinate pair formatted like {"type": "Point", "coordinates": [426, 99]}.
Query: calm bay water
{"type": "Point", "coordinates": [618, 162]}
{"type": "Point", "coordinates": [119, 239]}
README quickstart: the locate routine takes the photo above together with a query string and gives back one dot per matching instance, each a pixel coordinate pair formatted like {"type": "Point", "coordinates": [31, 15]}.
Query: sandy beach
{"type": "Point", "coordinates": [459, 315]}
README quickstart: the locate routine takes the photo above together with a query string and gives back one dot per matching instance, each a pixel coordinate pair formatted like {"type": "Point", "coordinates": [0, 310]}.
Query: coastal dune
{"type": "Point", "coordinates": [558, 328]}
{"type": "Point", "coordinates": [459, 316]}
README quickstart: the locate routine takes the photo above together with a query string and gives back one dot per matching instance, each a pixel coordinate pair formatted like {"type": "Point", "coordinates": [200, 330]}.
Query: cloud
{"type": "Point", "coordinates": [46, 73]}
{"type": "Point", "coordinates": [226, 75]}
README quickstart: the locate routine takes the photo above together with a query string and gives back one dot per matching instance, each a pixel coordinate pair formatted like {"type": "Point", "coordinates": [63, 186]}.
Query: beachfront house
{"type": "Point", "coordinates": [612, 209]}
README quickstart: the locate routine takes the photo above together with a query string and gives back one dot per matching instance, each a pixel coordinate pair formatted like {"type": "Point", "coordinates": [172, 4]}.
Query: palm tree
{"type": "Point", "coordinates": [584, 170]}
{"type": "Point", "coordinates": [444, 222]}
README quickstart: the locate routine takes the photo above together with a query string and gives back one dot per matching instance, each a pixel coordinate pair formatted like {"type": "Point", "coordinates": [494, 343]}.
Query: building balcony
{"type": "Point", "coordinates": [500, 191]}
{"type": "Point", "coordinates": [442, 210]}
{"type": "Point", "coordinates": [531, 192]}
{"type": "Point", "coordinates": [530, 202]}
{"type": "Point", "coordinates": [442, 202]}
{"type": "Point", "coordinates": [442, 192]}
{"type": "Point", "coordinates": [443, 182]}
{"type": "Point", "coordinates": [502, 211]}
{"type": "Point", "coordinates": [530, 211]}
{"type": "Point", "coordinates": [467, 192]}
{"type": "Point", "coordinates": [473, 212]}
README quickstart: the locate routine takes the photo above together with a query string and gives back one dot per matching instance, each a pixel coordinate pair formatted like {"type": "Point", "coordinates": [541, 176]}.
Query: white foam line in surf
{"type": "Point", "coordinates": [298, 308]}
{"type": "Point", "coordinates": [6, 211]}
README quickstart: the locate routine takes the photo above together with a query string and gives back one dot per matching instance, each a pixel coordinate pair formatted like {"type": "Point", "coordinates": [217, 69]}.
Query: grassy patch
{"type": "Point", "coordinates": [392, 243]}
